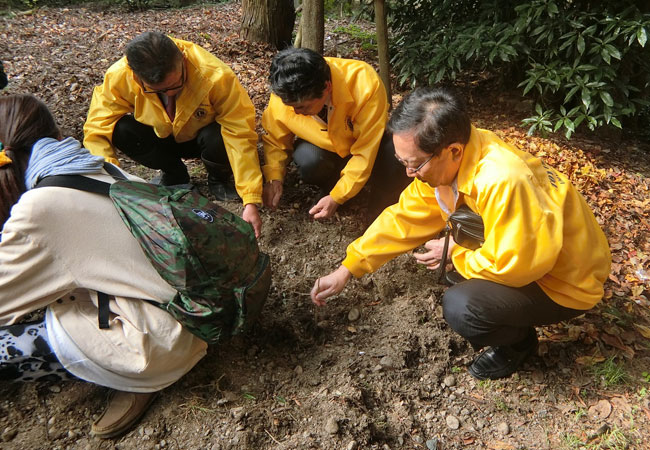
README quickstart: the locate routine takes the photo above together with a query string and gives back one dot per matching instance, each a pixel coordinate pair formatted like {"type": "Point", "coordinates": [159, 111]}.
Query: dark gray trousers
{"type": "Point", "coordinates": [323, 168]}
{"type": "Point", "coordinates": [491, 314]}
{"type": "Point", "coordinates": [140, 143]}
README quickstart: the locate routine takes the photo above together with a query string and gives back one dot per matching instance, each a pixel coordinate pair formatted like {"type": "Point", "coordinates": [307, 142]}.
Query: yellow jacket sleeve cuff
{"type": "Point", "coordinates": [273, 173]}
{"type": "Point", "coordinates": [352, 263]}
{"type": "Point", "coordinates": [252, 198]}
{"type": "Point", "coordinates": [112, 160]}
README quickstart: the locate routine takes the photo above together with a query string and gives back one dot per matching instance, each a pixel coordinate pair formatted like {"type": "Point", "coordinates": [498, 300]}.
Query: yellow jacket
{"type": "Point", "coordinates": [211, 93]}
{"type": "Point", "coordinates": [355, 126]}
{"type": "Point", "coordinates": [537, 226]}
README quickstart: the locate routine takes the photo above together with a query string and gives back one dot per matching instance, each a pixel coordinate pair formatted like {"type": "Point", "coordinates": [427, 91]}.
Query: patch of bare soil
{"type": "Point", "coordinates": [377, 368]}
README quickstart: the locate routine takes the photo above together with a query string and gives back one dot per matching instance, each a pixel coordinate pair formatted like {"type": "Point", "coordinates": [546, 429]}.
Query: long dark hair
{"type": "Point", "coordinates": [24, 119]}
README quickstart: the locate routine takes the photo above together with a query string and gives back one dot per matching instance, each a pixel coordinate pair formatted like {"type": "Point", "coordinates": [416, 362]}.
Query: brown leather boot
{"type": "Point", "coordinates": [122, 413]}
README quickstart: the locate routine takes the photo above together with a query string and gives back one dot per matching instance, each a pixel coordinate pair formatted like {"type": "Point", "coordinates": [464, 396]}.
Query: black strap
{"type": "Point", "coordinates": [98, 187]}
{"type": "Point", "coordinates": [83, 183]}
{"type": "Point", "coordinates": [103, 310]}
{"type": "Point", "coordinates": [443, 261]}
{"type": "Point", "coordinates": [76, 182]}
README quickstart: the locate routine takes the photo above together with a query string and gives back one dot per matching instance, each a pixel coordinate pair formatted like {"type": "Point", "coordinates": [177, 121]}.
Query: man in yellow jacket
{"type": "Point", "coordinates": [331, 113]}
{"type": "Point", "coordinates": [544, 258]}
{"type": "Point", "coordinates": [169, 99]}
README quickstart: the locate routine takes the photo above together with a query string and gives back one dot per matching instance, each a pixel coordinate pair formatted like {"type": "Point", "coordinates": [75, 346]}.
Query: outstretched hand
{"type": "Point", "coordinates": [252, 216]}
{"type": "Point", "coordinates": [329, 285]}
{"type": "Point", "coordinates": [324, 209]}
{"type": "Point", "coordinates": [432, 257]}
{"type": "Point", "coordinates": [272, 193]}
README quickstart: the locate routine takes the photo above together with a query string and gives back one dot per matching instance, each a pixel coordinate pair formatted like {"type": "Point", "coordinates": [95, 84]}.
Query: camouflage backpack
{"type": "Point", "coordinates": [209, 255]}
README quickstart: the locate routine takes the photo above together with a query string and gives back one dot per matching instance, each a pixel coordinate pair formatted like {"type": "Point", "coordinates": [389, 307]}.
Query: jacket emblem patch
{"type": "Point", "coordinates": [200, 113]}
{"type": "Point", "coordinates": [348, 123]}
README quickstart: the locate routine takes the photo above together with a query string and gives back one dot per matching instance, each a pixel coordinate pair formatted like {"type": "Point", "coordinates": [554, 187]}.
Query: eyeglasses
{"type": "Point", "coordinates": [164, 91]}
{"type": "Point", "coordinates": [411, 169]}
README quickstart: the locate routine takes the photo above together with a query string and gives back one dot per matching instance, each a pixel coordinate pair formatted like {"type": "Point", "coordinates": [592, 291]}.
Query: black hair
{"type": "Point", "coordinates": [152, 56]}
{"type": "Point", "coordinates": [299, 74]}
{"type": "Point", "coordinates": [437, 117]}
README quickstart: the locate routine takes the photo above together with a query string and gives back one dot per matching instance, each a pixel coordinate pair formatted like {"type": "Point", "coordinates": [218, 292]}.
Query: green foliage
{"type": "Point", "coordinates": [582, 63]}
{"type": "Point", "coordinates": [367, 38]}
{"type": "Point", "coordinates": [610, 372]}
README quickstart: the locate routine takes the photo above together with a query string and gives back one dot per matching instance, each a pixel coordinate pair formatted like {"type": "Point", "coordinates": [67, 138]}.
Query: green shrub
{"type": "Point", "coordinates": [581, 62]}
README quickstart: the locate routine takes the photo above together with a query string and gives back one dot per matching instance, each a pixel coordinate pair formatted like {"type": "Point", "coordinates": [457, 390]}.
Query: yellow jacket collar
{"type": "Point", "coordinates": [469, 164]}
{"type": "Point", "coordinates": [340, 92]}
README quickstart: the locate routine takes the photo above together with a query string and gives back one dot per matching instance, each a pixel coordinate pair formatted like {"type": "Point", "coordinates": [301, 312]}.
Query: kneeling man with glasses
{"type": "Point", "coordinates": [169, 99]}
{"type": "Point", "coordinates": [543, 258]}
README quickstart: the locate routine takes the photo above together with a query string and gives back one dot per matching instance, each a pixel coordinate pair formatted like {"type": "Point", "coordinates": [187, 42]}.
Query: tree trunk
{"type": "Point", "coordinates": [382, 46]}
{"type": "Point", "coordinates": [269, 21]}
{"type": "Point", "coordinates": [313, 25]}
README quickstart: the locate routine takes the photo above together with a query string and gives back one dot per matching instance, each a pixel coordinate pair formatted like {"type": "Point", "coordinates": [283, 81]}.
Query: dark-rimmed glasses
{"type": "Point", "coordinates": [164, 91]}
{"type": "Point", "coordinates": [411, 169]}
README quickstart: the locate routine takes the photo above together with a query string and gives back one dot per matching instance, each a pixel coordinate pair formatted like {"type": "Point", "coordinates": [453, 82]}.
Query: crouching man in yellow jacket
{"type": "Point", "coordinates": [544, 258]}
{"type": "Point", "coordinates": [331, 113]}
{"type": "Point", "coordinates": [169, 99]}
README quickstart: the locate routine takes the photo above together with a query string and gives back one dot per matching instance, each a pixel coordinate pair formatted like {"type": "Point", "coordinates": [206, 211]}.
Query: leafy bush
{"type": "Point", "coordinates": [582, 62]}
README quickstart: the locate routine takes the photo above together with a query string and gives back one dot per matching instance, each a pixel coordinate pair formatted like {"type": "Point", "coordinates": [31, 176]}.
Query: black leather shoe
{"type": "Point", "coordinates": [502, 361]}
{"type": "Point", "coordinates": [223, 191]}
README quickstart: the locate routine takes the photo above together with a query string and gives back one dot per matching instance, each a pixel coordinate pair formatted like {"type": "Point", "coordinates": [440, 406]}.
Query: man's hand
{"type": "Point", "coordinates": [252, 216]}
{"type": "Point", "coordinates": [272, 193]}
{"type": "Point", "coordinates": [324, 209]}
{"type": "Point", "coordinates": [431, 259]}
{"type": "Point", "coordinates": [329, 285]}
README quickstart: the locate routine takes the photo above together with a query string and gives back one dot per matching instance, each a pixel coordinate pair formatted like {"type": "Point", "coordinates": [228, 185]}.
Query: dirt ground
{"type": "Point", "coordinates": [378, 368]}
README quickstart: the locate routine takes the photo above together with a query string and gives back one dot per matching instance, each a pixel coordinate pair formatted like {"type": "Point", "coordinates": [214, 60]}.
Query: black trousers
{"type": "Point", "coordinates": [140, 143]}
{"type": "Point", "coordinates": [490, 314]}
{"type": "Point", "coordinates": [323, 169]}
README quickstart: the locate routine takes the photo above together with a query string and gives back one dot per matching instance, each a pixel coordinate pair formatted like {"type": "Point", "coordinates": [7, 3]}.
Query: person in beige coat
{"type": "Point", "coordinates": [60, 246]}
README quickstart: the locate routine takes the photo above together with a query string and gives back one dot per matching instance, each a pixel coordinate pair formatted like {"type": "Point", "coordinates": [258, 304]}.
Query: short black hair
{"type": "Point", "coordinates": [299, 74]}
{"type": "Point", "coordinates": [437, 117]}
{"type": "Point", "coordinates": [152, 56]}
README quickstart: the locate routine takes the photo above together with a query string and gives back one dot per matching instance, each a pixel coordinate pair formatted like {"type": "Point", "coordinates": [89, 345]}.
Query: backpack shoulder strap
{"type": "Point", "coordinates": [76, 182]}
{"type": "Point", "coordinates": [83, 183]}
{"type": "Point", "coordinates": [114, 171]}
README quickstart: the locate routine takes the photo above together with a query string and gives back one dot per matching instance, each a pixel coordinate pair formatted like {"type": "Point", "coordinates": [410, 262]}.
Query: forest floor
{"type": "Point", "coordinates": [377, 368]}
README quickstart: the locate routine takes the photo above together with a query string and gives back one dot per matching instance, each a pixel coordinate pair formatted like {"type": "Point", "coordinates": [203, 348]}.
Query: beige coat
{"type": "Point", "coordinates": [61, 245]}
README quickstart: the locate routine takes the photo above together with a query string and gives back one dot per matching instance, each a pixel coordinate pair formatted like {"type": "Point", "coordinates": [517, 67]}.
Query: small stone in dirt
{"type": "Point", "coordinates": [480, 424]}
{"type": "Point", "coordinates": [387, 362]}
{"type": "Point", "coordinates": [222, 401]}
{"type": "Point", "coordinates": [352, 445]}
{"type": "Point", "coordinates": [449, 381]}
{"type": "Point", "coordinates": [503, 428]}
{"type": "Point", "coordinates": [298, 370]}
{"type": "Point", "coordinates": [452, 422]}
{"type": "Point", "coordinates": [237, 413]}
{"type": "Point", "coordinates": [418, 439]}
{"type": "Point", "coordinates": [432, 444]}
{"type": "Point", "coordinates": [332, 426]}
{"type": "Point", "coordinates": [354, 314]}
{"type": "Point", "coordinates": [8, 434]}
{"type": "Point", "coordinates": [56, 389]}
{"type": "Point", "coordinates": [296, 205]}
